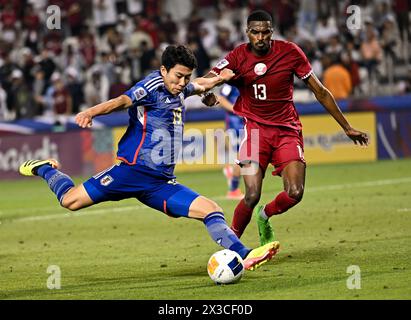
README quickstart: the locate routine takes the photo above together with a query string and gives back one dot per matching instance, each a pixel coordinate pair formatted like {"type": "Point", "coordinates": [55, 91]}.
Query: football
{"type": "Point", "coordinates": [225, 266]}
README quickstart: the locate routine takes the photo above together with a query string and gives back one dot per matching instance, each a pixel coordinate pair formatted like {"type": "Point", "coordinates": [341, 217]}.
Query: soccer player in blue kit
{"type": "Point", "coordinates": [147, 153]}
{"type": "Point", "coordinates": [234, 126]}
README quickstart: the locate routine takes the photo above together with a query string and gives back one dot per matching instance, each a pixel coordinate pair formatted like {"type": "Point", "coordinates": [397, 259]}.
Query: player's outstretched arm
{"type": "Point", "coordinates": [203, 84]}
{"type": "Point", "coordinates": [325, 97]}
{"type": "Point", "coordinates": [85, 118]}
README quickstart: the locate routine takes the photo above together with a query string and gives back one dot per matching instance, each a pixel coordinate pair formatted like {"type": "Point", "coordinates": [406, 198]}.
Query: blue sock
{"type": "Point", "coordinates": [223, 235]}
{"type": "Point", "coordinates": [58, 182]}
{"type": "Point", "coordinates": [235, 182]}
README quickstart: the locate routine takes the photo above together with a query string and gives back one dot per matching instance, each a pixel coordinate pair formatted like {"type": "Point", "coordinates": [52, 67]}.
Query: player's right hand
{"type": "Point", "coordinates": [227, 74]}
{"type": "Point", "coordinates": [84, 119]}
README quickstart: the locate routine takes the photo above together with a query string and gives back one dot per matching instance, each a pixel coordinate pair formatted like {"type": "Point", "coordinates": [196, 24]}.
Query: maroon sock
{"type": "Point", "coordinates": [280, 204]}
{"type": "Point", "coordinates": [242, 216]}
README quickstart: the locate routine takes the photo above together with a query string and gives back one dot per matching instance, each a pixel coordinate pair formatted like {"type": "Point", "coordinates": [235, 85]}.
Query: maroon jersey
{"type": "Point", "coordinates": [266, 83]}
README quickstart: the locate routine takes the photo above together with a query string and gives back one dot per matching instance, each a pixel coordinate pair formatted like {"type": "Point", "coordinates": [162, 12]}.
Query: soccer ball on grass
{"type": "Point", "coordinates": [225, 266]}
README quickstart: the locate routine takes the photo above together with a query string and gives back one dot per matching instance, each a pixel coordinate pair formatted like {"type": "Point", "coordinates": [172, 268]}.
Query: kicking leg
{"type": "Point", "coordinates": [213, 218]}
{"type": "Point", "coordinates": [70, 196]}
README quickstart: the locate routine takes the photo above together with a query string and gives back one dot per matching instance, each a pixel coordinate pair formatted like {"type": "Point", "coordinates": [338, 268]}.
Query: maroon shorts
{"type": "Point", "coordinates": [265, 144]}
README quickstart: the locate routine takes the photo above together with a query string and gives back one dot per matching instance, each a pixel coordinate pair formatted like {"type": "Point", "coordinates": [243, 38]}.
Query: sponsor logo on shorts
{"type": "Point", "coordinates": [140, 93]}
{"type": "Point", "coordinates": [260, 69]}
{"type": "Point", "coordinates": [106, 180]}
{"type": "Point", "coordinates": [223, 63]}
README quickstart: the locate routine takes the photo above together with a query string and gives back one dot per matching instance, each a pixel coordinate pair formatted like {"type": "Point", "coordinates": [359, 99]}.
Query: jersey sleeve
{"type": "Point", "coordinates": [138, 94]}
{"type": "Point", "coordinates": [189, 90]}
{"type": "Point", "coordinates": [302, 67]}
{"type": "Point", "coordinates": [230, 62]}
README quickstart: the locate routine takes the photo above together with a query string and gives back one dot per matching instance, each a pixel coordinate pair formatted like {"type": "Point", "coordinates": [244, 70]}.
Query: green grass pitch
{"type": "Point", "coordinates": [351, 214]}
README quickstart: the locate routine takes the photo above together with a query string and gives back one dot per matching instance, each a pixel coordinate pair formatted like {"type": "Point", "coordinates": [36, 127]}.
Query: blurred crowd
{"type": "Point", "coordinates": [103, 47]}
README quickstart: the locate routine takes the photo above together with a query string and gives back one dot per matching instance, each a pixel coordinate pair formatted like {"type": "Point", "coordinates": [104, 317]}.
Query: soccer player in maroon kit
{"type": "Point", "coordinates": [264, 71]}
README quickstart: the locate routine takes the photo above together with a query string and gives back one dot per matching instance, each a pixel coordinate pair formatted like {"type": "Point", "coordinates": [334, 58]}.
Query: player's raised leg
{"type": "Point", "coordinates": [293, 176]}
{"type": "Point", "coordinates": [70, 196]}
{"type": "Point", "coordinates": [213, 218]}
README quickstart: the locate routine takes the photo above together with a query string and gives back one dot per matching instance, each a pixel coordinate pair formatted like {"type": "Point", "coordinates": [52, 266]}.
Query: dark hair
{"type": "Point", "coordinates": [259, 15]}
{"type": "Point", "coordinates": [178, 54]}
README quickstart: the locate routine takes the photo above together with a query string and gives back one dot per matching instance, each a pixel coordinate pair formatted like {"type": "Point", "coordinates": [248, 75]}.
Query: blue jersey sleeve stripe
{"type": "Point", "coordinates": [153, 84]}
{"type": "Point", "coordinates": [156, 86]}
{"type": "Point", "coordinates": [151, 81]}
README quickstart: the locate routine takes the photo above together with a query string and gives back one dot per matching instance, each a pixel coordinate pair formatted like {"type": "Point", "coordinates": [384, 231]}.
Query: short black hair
{"type": "Point", "coordinates": [178, 54]}
{"type": "Point", "coordinates": [259, 15]}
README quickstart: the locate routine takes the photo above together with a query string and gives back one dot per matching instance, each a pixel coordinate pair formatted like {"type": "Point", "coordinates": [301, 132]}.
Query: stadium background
{"type": "Point", "coordinates": [357, 200]}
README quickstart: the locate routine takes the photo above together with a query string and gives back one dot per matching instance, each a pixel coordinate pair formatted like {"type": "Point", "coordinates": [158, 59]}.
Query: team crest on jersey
{"type": "Point", "coordinates": [139, 93]}
{"type": "Point", "coordinates": [260, 69]}
{"type": "Point", "coordinates": [223, 63]}
{"type": "Point", "coordinates": [106, 180]}
{"type": "Point", "coordinates": [173, 182]}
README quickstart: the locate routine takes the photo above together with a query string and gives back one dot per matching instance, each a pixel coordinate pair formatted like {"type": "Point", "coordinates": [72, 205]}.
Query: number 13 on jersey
{"type": "Point", "coordinates": [260, 91]}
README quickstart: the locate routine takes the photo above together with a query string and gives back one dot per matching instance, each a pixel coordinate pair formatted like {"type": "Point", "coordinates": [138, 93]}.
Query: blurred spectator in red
{"type": "Point", "coordinates": [223, 39]}
{"type": "Point", "coordinates": [87, 47]}
{"type": "Point", "coordinates": [151, 28]}
{"type": "Point", "coordinates": [266, 5]}
{"type": "Point", "coordinates": [402, 10]}
{"type": "Point", "coordinates": [139, 35]}
{"type": "Point", "coordinates": [353, 68]}
{"type": "Point", "coordinates": [8, 19]}
{"type": "Point", "coordinates": [117, 88]}
{"type": "Point", "coordinates": [31, 19]}
{"type": "Point", "coordinates": [62, 103]}
{"type": "Point", "coordinates": [170, 28]}
{"type": "Point", "coordinates": [53, 42]}
{"type": "Point", "coordinates": [74, 16]}
{"type": "Point", "coordinates": [336, 77]}
{"type": "Point", "coordinates": [285, 11]}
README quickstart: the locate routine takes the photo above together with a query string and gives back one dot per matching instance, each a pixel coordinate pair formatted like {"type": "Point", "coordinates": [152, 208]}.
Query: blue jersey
{"type": "Point", "coordinates": [155, 133]}
{"type": "Point", "coordinates": [232, 120]}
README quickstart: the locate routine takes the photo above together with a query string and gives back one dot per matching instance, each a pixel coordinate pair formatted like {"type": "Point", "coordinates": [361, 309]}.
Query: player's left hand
{"type": "Point", "coordinates": [357, 136]}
